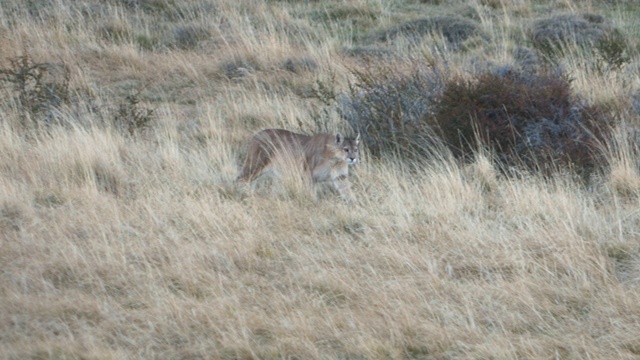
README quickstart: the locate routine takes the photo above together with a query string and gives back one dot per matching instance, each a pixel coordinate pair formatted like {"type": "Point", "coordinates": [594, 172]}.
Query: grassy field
{"type": "Point", "coordinates": [124, 122]}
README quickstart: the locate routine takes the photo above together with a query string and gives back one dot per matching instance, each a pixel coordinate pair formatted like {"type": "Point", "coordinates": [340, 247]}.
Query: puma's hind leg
{"type": "Point", "coordinates": [255, 163]}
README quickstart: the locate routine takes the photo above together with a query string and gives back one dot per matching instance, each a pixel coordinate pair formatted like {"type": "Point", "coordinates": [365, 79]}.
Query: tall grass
{"type": "Point", "coordinates": [118, 244]}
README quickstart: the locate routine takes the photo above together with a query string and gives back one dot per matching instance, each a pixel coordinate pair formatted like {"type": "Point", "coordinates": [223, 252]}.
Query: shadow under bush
{"type": "Point", "coordinates": [527, 118]}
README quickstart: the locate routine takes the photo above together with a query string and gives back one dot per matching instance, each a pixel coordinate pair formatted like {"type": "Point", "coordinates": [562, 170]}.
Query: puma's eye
{"type": "Point", "coordinates": [346, 149]}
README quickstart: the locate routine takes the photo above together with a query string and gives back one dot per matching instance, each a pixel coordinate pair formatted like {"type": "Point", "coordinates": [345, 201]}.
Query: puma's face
{"type": "Point", "coordinates": [349, 148]}
{"type": "Point", "coordinates": [351, 152]}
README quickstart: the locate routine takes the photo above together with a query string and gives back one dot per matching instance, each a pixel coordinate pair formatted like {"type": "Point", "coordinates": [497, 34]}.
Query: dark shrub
{"type": "Point", "coordinates": [455, 29]}
{"type": "Point", "coordinates": [552, 36]}
{"type": "Point", "coordinates": [388, 108]}
{"type": "Point", "coordinates": [527, 118]}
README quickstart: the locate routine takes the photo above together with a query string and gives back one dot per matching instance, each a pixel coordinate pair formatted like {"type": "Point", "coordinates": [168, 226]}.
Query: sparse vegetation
{"type": "Point", "coordinates": [37, 89]}
{"type": "Point", "coordinates": [122, 236]}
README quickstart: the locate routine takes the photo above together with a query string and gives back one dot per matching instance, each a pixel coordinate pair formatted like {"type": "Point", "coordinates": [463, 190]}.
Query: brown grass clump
{"type": "Point", "coordinates": [624, 180]}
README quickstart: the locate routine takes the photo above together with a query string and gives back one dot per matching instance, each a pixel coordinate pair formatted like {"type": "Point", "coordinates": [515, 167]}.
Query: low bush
{"type": "Point", "coordinates": [169, 9]}
{"type": "Point", "coordinates": [612, 49]}
{"type": "Point", "coordinates": [526, 118]}
{"type": "Point", "coordinates": [554, 35]}
{"type": "Point", "coordinates": [527, 58]}
{"type": "Point", "coordinates": [388, 108]}
{"type": "Point", "coordinates": [551, 35]}
{"type": "Point", "coordinates": [38, 89]}
{"type": "Point", "coordinates": [530, 119]}
{"type": "Point", "coordinates": [368, 53]}
{"type": "Point", "coordinates": [41, 94]}
{"type": "Point", "coordinates": [131, 117]}
{"type": "Point", "coordinates": [117, 32]}
{"type": "Point", "coordinates": [239, 67]}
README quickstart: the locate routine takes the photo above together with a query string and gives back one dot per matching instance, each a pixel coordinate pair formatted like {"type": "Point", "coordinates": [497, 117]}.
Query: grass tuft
{"type": "Point", "coordinates": [455, 29]}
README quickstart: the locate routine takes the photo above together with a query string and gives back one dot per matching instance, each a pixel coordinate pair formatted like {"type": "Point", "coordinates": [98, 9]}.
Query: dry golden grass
{"type": "Point", "coordinates": [115, 246]}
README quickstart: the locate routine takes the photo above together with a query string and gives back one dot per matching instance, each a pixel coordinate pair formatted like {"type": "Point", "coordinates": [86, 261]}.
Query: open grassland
{"type": "Point", "coordinates": [124, 122]}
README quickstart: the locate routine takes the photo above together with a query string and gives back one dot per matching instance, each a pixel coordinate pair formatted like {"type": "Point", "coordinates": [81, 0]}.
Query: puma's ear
{"type": "Point", "coordinates": [358, 138]}
{"type": "Point", "coordinates": [339, 138]}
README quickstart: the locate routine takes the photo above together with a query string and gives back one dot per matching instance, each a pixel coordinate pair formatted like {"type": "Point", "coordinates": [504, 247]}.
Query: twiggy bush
{"type": "Point", "coordinates": [39, 89]}
{"type": "Point", "coordinates": [527, 118]}
{"type": "Point", "coordinates": [131, 117]}
{"type": "Point", "coordinates": [388, 108]}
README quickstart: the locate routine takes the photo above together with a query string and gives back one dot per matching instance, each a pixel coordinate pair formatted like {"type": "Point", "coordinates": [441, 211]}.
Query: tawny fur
{"type": "Point", "coordinates": [325, 157]}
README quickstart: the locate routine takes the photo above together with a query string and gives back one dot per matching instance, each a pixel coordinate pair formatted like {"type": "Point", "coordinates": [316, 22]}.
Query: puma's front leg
{"type": "Point", "coordinates": [343, 186]}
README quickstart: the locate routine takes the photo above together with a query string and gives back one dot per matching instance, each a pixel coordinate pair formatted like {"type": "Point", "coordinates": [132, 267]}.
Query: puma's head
{"type": "Point", "coordinates": [349, 147]}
